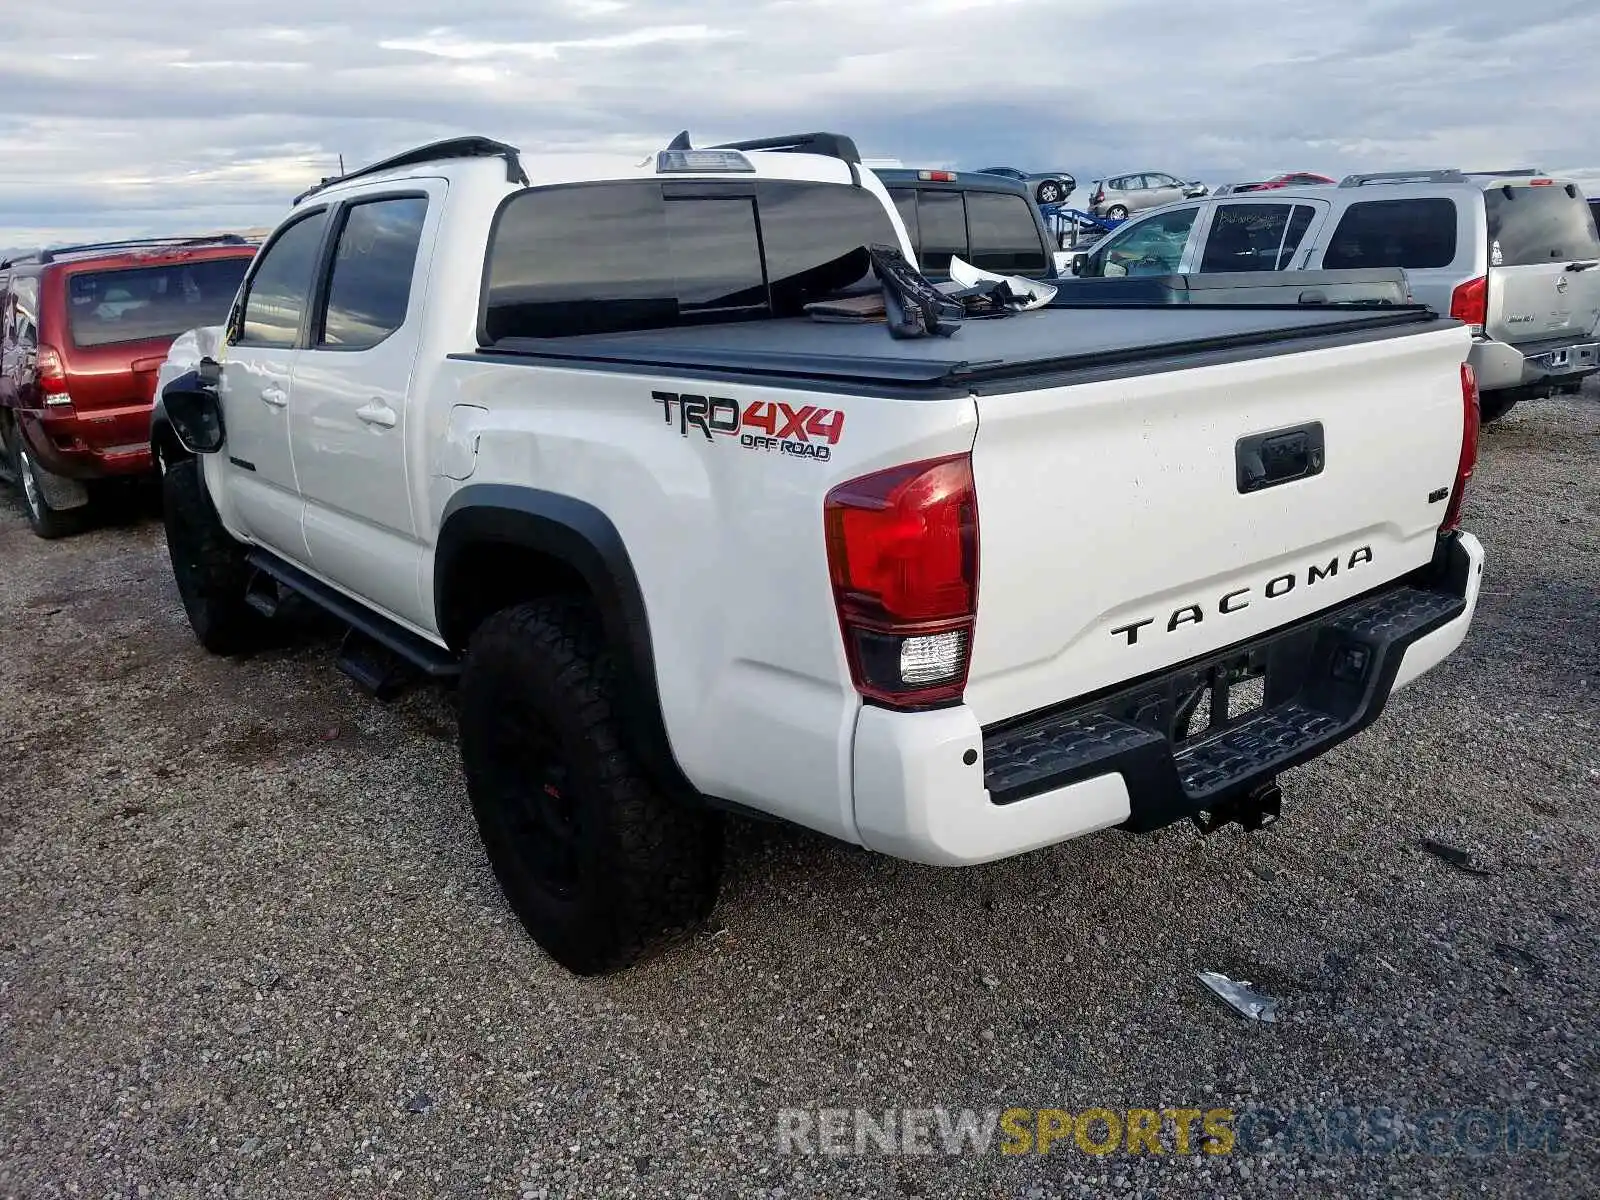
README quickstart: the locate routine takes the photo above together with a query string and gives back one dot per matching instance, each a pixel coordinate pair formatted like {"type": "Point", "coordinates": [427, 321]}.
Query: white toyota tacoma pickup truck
{"type": "Point", "coordinates": [574, 441]}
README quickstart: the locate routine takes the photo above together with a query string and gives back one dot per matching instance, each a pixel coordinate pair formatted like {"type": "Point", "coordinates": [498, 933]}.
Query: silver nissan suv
{"type": "Point", "coordinates": [1513, 254]}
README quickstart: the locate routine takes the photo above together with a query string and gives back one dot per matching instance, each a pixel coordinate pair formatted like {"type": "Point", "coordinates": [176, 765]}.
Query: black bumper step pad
{"type": "Point", "coordinates": [1324, 679]}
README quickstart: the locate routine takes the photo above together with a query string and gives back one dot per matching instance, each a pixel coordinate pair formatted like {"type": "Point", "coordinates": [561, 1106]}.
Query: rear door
{"type": "Point", "coordinates": [1257, 234]}
{"type": "Point", "coordinates": [1116, 539]}
{"type": "Point", "coordinates": [1544, 262]}
{"type": "Point", "coordinates": [348, 418]}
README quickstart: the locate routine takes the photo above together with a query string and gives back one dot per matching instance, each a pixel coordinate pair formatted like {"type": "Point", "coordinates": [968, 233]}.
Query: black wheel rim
{"type": "Point", "coordinates": [533, 798]}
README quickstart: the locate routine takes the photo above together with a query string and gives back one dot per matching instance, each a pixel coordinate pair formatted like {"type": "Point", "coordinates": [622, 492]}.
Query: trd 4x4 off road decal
{"type": "Point", "coordinates": [801, 430]}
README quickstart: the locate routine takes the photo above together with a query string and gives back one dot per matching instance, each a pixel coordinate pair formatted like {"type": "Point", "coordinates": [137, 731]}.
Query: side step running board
{"type": "Point", "coordinates": [372, 638]}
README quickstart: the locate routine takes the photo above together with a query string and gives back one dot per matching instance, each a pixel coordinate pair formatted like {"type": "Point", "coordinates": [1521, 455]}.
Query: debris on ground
{"type": "Point", "coordinates": [1241, 997]}
{"type": "Point", "coordinates": [1461, 860]}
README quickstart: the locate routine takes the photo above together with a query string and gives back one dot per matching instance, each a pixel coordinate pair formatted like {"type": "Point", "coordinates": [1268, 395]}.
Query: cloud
{"type": "Point", "coordinates": [122, 119]}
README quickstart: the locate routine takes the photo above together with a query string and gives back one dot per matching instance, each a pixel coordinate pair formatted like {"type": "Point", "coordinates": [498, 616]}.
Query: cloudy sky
{"type": "Point", "coordinates": [121, 118]}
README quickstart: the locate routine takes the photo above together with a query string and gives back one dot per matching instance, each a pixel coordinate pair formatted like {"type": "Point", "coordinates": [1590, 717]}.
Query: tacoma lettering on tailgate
{"type": "Point", "coordinates": [1240, 598]}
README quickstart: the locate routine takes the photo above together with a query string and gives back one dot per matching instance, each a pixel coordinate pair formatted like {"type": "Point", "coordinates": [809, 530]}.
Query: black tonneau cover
{"type": "Point", "coordinates": [1046, 341]}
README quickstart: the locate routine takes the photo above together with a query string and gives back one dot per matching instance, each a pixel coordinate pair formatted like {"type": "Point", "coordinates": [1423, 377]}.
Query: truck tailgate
{"type": "Point", "coordinates": [1133, 521]}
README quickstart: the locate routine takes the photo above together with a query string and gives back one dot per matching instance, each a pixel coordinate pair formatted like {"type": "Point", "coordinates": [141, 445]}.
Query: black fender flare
{"type": "Point", "coordinates": [163, 434]}
{"type": "Point", "coordinates": [583, 538]}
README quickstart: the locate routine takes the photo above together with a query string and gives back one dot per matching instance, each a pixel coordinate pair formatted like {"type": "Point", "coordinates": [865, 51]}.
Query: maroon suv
{"type": "Point", "coordinates": [83, 331]}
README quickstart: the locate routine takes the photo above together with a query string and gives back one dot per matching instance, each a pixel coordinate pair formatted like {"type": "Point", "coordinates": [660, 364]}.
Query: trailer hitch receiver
{"type": "Point", "coordinates": [1255, 809]}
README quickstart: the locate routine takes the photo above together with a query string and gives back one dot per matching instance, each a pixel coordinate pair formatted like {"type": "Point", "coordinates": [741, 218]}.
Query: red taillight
{"type": "Point", "coordinates": [52, 371]}
{"type": "Point", "coordinates": [1099, 196]}
{"type": "Point", "coordinates": [938, 176]}
{"type": "Point", "coordinates": [1469, 449]}
{"type": "Point", "coordinates": [1470, 301]}
{"type": "Point", "coordinates": [903, 556]}
{"type": "Point", "coordinates": [52, 375]}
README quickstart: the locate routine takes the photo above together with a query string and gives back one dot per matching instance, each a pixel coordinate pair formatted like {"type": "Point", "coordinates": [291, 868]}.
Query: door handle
{"type": "Point", "coordinates": [274, 395]}
{"type": "Point", "coordinates": [376, 412]}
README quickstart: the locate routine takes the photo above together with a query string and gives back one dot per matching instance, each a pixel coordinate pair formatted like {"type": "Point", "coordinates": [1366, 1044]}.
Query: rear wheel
{"type": "Point", "coordinates": [1494, 405]}
{"type": "Point", "coordinates": [1118, 212]}
{"type": "Point", "coordinates": [1050, 192]}
{"type": "Point", "coordinates": [598, 865]}
{"type": "Point", "coordinates": [208, 565]}
{"type": "Point", "coordinates": [47, 522]}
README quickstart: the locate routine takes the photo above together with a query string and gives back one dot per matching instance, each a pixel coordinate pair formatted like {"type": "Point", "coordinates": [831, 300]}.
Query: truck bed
{"type": "Point", "coordinates": [991, 355]}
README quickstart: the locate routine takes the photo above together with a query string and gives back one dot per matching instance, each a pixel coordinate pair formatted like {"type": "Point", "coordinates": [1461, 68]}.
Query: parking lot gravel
{"type": "Point", "coordinates": [250, 946]}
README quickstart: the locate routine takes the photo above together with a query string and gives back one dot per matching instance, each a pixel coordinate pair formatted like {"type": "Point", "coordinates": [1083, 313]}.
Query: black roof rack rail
{"type": "Point", "coordinates": [1444, 175]}
{"type": "Point", "coordinates": [458, 147]}
{"type": "Point", "coordinates": [52, 253]}
{"type": "Point", "coordinates": [829, 145]}
{"type": "Point", "coordinates": [27, 256]}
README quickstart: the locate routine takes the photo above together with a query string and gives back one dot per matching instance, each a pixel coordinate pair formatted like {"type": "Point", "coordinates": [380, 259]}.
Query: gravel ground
{"type": "Point", "coordinates": [249, 945]}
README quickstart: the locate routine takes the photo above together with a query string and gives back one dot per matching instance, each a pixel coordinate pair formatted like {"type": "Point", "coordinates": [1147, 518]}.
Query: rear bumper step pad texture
{"type": "Point", "coordinates": [1319, 682]}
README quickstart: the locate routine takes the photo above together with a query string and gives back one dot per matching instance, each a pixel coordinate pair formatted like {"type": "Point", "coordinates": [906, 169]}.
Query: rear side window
{"type": "Point", "coordinates": [1544, 224]}
{"type": "Point", "coordinates": [1255, 237]}
{"type": "Point", "coordinates": [942, 224]}
{"type": "Point", "coordinates": [280, 289]}
{"type": "Point", "coordinates": [905, 203]}
{"type": "Point", "coordinates": [1416, 234]}
{"type": "Point", "coordinates": [1002, 235]}
{"type": "Point", "coordinates": [607, 258]}
{"type": "Point", "coordinates": [145, 303]}
{"type": "Point", "coordinates": [370, 288]}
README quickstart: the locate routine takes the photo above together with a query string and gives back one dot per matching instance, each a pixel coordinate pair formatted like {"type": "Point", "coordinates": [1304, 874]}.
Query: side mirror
{"type": "Point", "coordinates": [195, 410]}
{"type": "Point", "coordinates": [1077, 263]}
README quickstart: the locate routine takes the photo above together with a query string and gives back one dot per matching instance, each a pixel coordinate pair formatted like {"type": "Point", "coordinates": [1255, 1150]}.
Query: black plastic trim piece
{"type": "Point", "coordinates": [582, 537]}
{"type": "Point", "coordinates": [432, 660]}
{"type": "Point", "coordinates": [829, 145]}
{"type": "Point", "coordinates": [1326, 678]}
{"type": "Point", "coordinates": [448, 148]}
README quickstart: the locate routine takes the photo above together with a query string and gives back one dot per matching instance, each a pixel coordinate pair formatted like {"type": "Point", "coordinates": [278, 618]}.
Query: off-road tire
{"type": "Point", "coordinates": [638, 868]}
{"type": "Point", "coordinates": [1494, 405]}
{"type": "Point", "coordinates": [208, 565]}
{"type": "Point", "coordinates": [46, 522]}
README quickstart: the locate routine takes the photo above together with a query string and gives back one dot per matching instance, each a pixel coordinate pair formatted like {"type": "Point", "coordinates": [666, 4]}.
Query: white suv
{"type": "Point", "coordinates": [1513, 254]}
